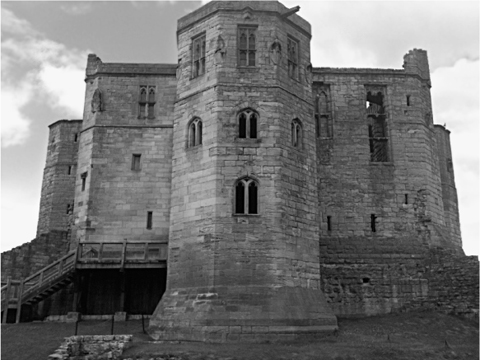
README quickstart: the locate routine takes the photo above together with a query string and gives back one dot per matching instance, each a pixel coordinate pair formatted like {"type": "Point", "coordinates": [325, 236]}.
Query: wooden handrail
{"type": "Point", "coordinates": [122, 249]}
{"type": "Point", "coordinates": [70, 254]}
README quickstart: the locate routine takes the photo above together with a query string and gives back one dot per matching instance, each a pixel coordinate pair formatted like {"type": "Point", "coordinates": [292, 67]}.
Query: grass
{"type": "Point", "coordinates": [406, 336]}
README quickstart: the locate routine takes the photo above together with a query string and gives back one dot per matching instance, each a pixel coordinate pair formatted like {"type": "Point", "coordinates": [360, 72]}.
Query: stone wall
{"type": "Point", "coordinates": [26, 259]}
{"type": "Point", "coordinates": [125, 154]}
{"type": "Point", "coordinates": [87, 347]}
{"type": "Point", "coordinates": [365, 278]}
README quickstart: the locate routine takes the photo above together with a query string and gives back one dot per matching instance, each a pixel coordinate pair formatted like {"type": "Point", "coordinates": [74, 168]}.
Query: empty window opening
{"type": "Point", "coordinates": [75, 137]}
{"type": "Point", "coordinates": [329, 223]}
{"type": "Point", "coordinates": [292, 54]}
{"type": "Point", "coordinates": [408, 100]}
{"type": "Point", "coordinates": [149, 220]}
{"type": "Point", "coordinates": [365, 280]}
{"type": "Point", "coordinates": [373, 222]}
{"type": "Point", "coordinates": [406, 198]}
{"type": "Point", "coordinates": [146, 102]}
{"type": "Point", "coordinates": [374, 103]}
{"type": "Point", "coordinates": [325, 126]}
{"type": "Point", "coordinates": [195, 133]}
{"type": "Point", "coordinates": [69, 169]}
{"type": "Point", "coordinates": [136, 162]}
{"type": "Point", "coordinates": [84, 180]}
{"type": "Point", "coordinates": [246, 197]}
{"type": "Point", "coordinates": [246, 46]}
{"type": "Point", "coordinates": [378, 140]}
{"type": "Point", "coordinates": [198, 50]}
{"type": "Point", "coordinates": [296, 133]}
{"type": "Point", "coordinates": [323, 117]}
{"type": "Point", "coordinates": [247, 124]}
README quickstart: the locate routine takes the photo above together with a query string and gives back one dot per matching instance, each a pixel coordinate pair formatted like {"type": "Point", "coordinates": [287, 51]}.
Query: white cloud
{"type": "Point", "coordinates": [53, 73]}
{"type": "Point", "coordinates": [15, 126]}
{"type": "Point", "coordinates": [77, 8]}
{"type": "Point", "coordinates": [14, 25]}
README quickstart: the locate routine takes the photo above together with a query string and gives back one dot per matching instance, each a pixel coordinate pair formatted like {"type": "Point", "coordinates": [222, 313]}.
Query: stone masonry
{"type": "Point", "coordinates": [289, 194]}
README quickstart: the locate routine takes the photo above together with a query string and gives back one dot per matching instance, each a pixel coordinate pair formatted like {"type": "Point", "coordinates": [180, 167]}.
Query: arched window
{"type": "Point", "coordinates": [296, 133]}
{"type": "Point", "coordinates": [146, 102]}
{"type": "Point", "coordinates": [246, 196]}
{"type": "Point", "coordinates": [247, 124]}
{"type": "Point", "coordinates": [195, 132]}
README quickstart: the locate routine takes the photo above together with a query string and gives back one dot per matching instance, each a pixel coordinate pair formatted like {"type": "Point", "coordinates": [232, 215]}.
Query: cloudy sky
{"type": "Point", "coordinates": [45, 46]}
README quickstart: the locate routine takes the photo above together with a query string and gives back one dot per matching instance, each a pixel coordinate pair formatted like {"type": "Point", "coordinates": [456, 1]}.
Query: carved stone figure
{"type": "Point", "coordinates": [220, 51]}
{"type": "Point", "coordinates": [308, 74]}
{"type": "Point", "coordinates": [97, 101]}
{"type": "Point", "coordinates": [276, 52]}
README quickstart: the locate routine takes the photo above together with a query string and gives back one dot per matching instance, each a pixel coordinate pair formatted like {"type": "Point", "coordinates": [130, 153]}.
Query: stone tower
{"type": "Point", "coordinates": [244, 221]}
{"type": "Point", "coordinates": [57, 199]}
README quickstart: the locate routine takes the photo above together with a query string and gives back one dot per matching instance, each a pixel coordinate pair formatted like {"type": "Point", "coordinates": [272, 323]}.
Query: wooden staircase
{"type": "Point", "coordinates": [87, 256]}
{"type": "Point", "coordinates": [38, 286]}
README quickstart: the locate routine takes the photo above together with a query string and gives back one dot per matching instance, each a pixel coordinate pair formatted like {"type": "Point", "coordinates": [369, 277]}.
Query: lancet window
{"type": "Point", "coordinates": [296, 133]}
{"type": "Point", "coordinates": [195, 129]}
{"type": "Point", "coordinates": [247, 124]}
{"type": "Point", "coordinates": [246, 197]}
{"type": "Point", "coordinates": [147, 102]}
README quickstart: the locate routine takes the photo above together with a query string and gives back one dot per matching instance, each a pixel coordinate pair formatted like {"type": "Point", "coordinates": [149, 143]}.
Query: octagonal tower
{"type": "Point", "coordinates": [244, 224]}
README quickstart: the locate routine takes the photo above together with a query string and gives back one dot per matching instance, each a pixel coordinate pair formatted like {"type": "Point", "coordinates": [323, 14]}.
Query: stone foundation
{"type": "Point", "coordinates": [246, 314]}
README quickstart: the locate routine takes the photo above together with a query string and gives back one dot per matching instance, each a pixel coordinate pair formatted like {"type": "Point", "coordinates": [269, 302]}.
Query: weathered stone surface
{"type": "Point", "coordinates": [357, 212]}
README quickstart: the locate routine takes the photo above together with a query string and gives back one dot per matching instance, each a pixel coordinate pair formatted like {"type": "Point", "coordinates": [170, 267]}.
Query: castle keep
{"type": "Point", "coordinates": [245, 194]}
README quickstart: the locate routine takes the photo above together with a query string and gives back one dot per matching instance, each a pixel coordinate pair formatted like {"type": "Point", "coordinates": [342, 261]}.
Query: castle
{"type": "Point", "coordinates": [247, 194]}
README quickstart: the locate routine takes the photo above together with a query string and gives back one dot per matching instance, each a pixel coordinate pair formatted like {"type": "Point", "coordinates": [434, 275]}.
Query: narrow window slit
{"type": "Point", "coordinates": [329, 223]}
{"type": "Point", "coordinates": [149, 219]}
{"type": "Point", "coordinates": [373, 222]}
{"type": "Point", "coordinates": [406, 198]}
{"type": "Point", "coordinates": [84, 180]}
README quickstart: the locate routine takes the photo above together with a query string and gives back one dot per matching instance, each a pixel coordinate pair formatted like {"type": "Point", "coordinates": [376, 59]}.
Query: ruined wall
{"type": "Point", "coordinates": [58, 185]}
{"type": "Point", "coordinates": [370, 280]}
{"type": "Point", "coordinates": [449, 191]}
{"type": "Point", "coordinates": [125, 153]}
{"type": "Point", "coordinates": [27, 259]}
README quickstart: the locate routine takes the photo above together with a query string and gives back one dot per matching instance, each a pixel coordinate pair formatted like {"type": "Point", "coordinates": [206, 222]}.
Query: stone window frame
{"type": "Point", "coordinates": [293, 57]}
{"type": "Point", "coordinates": [251, 30]}
{"type": "Point", "coordinates": [245, 129]}
{"type": "Point", "coordinates": [248, 208]}
{"type": "Point", "coordinates": [296, 133]}
{"type": "Point", "coordinates": [198, 54]}
{"type": "Point", "coordinates": [195, 132]}
{"type": "Point", "coordinates": [146, 101]}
